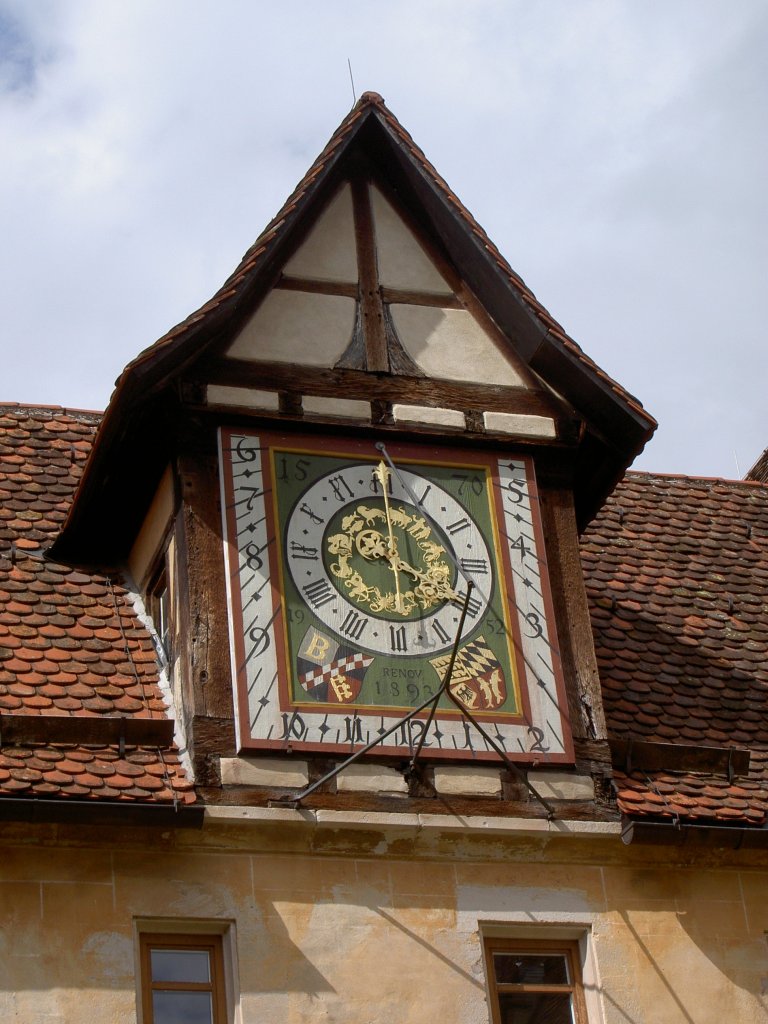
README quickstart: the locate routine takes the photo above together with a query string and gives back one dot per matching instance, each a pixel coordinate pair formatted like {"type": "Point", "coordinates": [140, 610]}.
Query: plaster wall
{"type": "Point", "coordinates": [363, 928]}
{"type": "Point", "coordinates": [297, 327]}
{"type": "Point", "coordinates": [329, 252]}
{"type": "Point", "coordinates": [450, 344]}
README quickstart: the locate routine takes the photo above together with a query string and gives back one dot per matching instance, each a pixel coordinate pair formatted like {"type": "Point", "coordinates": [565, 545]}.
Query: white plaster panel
{"type": "Point", "coordinates": [451, 344]}
{"type": "Point", "coordinates": [428, 414]}
{"type": "Point", "coordinates": [402, 261]}
{"type": "Point", "coordinates": [243, 398]}
{"type": "Point", "coordinates": [519, 425]}
{"type": "Point", "coordinates": [347, 407]}
{"type": "Point", "coordinates": [329, 252]}
{"type": "Point", "coordinates": [468, 781]}
{"type": "Point", "coordinates": [263, 771]}
{"type": "Point", "coordinates": [297, 327]}
{"type": "Point", "coordinates": [562, 785]}
{"type": "Point", "coordinates": [370, 778]}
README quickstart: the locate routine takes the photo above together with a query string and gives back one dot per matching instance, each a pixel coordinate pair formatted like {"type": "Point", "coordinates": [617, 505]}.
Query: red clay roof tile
{"type": "Point", "coordinates": [683, 657]}
{"type": "Point", "coordinates": [70, 643]}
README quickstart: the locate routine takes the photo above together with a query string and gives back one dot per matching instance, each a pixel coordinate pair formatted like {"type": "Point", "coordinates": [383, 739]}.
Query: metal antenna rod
{"type": "Point", "coordinates": [349, 65]}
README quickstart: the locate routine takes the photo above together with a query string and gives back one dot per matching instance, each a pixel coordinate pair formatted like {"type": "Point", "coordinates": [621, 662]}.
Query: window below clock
{"type": "Point", "coordinates": [182, 979]}
{"type": "Point", "coordinates": [534, 981]}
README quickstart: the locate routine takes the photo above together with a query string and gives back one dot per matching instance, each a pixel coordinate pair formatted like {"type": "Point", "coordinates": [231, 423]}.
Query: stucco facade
{"type": "Point", "coordinates": [376, 921]}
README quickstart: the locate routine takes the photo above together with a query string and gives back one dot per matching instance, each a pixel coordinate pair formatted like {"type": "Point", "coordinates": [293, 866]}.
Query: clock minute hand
{"type": "Point", "coordinates": [382, 473]}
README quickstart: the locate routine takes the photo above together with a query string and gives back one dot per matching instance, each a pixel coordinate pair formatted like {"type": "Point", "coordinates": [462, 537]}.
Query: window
{"type": "Point", "coordinates": [158, 606]}
{"type": "Point", "coordinates": [182, 979]}
{"type": "Point", "coordinates": [534, 982]}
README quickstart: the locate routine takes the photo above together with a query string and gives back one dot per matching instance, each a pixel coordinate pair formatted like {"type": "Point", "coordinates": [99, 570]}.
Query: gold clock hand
{"type": "Point", "coordinates": [382, 473]}
{"type": "Point", "coordinates": [439, 588]}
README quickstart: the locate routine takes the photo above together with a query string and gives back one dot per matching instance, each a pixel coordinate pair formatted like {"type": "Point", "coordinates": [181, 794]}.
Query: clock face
{"type": "Point", "coordinates": [380, 569]}
{"type": "Point", "coordinates": [348, 576]}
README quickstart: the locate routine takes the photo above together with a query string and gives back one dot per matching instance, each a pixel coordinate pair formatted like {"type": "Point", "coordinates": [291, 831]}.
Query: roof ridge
{"type": "Point", "coordinates": [43, 408]}
{"type": "Point", "coordinates": [697, 476]}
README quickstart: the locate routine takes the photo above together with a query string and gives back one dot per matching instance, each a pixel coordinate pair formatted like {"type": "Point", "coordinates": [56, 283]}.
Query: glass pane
{"type": "Point", "coordinates": [530, 969]}
{"type": "Point", "coordinates": [180, 965]}
{"type": "Point", "coordinates": [530, 1008]}
{"type": "Point", "coordinates": [182, 1008]}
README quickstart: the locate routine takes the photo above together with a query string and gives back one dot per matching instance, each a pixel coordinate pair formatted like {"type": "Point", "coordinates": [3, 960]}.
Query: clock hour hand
{"type": "Point", "coordinates": [432, 587]}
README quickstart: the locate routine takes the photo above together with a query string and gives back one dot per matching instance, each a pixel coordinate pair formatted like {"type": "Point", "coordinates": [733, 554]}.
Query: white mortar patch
{"type": "Point", "coordinates": [428, 414]}
{"type": "Point", "coordinates": [349, 408]}
{"type": "Point", "coordinates": [243, 398]}
{"type": "Point", "coordinates": [519, 425]}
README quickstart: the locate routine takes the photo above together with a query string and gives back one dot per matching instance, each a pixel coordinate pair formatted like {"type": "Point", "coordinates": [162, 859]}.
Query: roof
{"type": "Point", "coordinates": [72, 646]}
{"type": "Point", "coordinates": [677, 580]}
{"type": "Point", "coordinates": [540, 341]}
{"type": "Point", "coordinates": [760, 469]}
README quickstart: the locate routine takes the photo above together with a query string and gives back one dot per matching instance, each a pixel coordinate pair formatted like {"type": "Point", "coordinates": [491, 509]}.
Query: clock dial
{"type": "Point", "coordinates": [347, 584]}
{"type": "Point", "coordinates": [377, 569]}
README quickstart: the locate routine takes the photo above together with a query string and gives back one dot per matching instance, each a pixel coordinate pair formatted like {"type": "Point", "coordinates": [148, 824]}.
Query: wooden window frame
{"type": "Point", "coordinates": [554, 947]}
{"type": "Point", "coordinates": [158, 605]}
{"type": "Point", "coordinates": [174, 940]}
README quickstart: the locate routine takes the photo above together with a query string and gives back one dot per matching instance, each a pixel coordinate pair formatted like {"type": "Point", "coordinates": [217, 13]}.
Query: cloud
{"type": "Point", "coordinates": [613, 150]}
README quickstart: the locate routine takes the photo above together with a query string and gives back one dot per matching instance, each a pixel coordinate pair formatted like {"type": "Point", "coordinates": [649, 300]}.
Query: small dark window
{"type": "Point", "coordinates": [534, 982]}
{"type": "Point", "coordinates": [182, 979]}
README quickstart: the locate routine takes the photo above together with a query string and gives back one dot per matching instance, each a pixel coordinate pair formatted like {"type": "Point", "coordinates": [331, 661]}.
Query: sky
{"type": "Point", "coordinates": [616, 151]}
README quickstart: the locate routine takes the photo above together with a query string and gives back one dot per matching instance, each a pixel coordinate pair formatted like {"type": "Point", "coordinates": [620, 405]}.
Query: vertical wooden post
{"type": "Point", "coordinates": [371, 305]}
{"type": "Point", "coordinates": [569, 597]}
{"type": "Point", "coordinates": [203, 629]}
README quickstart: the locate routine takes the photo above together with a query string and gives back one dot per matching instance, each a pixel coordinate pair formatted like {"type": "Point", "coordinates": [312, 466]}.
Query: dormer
{"type": "Point", "coordinates": [350, 488]}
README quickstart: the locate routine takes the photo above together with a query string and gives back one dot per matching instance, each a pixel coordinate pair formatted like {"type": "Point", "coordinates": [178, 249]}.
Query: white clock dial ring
{"type": "Point", "coordinates": [399, 632]}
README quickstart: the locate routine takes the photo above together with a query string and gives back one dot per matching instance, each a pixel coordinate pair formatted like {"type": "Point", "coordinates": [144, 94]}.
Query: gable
{"type": "Point", "coordinates": [385, 341]}
{"type": "Point", "coordinates": [361, 262]}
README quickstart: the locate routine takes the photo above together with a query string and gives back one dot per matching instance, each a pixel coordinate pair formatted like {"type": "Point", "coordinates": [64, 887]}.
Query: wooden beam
{"type": "Point", "coordinates": [370, 293]}
{"type": "Point", "coordinates": [304, 284]}
{"type": "Point", "coordinates": [574, 629]}
{"type": "Point", "coordinates": [428, 391]}
{"type": "Point", "coordinates": [204, 628]}
{"type": "Point", "coordinates": [405, 297]}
